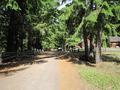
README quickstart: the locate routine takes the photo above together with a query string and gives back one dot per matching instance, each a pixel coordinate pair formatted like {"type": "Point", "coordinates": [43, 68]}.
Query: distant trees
{"type": "Point", "coordinates": [35, 24]}
{"type": "Point", "coordinates": [20, 20]}
{"type": "Point", "coordinates": [98, 14]}
{"type": "Point", "coordinates": [96, 19]}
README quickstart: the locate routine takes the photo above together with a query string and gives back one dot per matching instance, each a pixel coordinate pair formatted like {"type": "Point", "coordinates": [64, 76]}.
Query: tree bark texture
{"type": "Point", "coordinates": [16, 27]}
{"type": "Point", "coordinates": [98, 43]}
{"type": "Point", "coordinates": [12, 33]}
{"type": "Point", "coordinates": [86, 45]}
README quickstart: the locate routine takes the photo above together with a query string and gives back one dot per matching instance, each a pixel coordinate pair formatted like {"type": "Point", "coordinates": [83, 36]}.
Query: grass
{"type": "Point", "coordinates": [114, 53]}
{"type": "Point", "coordinates": [105, 75]}
{"type": "Point", "coordinates": [99, 77]}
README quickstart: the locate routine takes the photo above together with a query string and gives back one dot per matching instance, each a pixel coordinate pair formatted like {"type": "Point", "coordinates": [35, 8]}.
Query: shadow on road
{"type": "Point", "coordinates": [11, 71]}
{"type": "Point", "coordinates": [24, 62]}
{"type": "Point", "coordinates": [74, 57]}
{"type": "Point", "coordinates": [10, 68]}
{"type": "Point", "coordinates": [110, 58]}
{"type": "Point", "coordinates": [28, 61]}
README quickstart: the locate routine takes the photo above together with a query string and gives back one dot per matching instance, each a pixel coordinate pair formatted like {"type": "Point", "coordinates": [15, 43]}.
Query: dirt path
{"type": "Point", "coordinates": [69, 77]}
{"type": "Point", "coordinates": [40, 76]}
{"type": "Point", "coordinates": [48, 74]}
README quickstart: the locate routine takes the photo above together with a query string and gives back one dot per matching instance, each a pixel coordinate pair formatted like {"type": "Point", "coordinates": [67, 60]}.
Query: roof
{"type": "Point", "coordinates": [114, 39]}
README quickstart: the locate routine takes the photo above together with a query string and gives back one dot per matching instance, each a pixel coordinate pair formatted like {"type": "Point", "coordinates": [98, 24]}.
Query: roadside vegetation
{"type": "Point", "coordinates": [102, 77]}
{"type": "Point", "coordinates": [105, 75]}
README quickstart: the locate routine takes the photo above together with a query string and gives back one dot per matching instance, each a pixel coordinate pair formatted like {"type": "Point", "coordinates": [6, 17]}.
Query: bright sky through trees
{"type": "Point", "coordinates": [62, 5]}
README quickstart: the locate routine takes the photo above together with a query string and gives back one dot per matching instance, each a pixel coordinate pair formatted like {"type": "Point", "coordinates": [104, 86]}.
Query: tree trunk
{"type": "Point", "coordinates": [12, 33]}
{"type": "Point", "coordinates": [98, 47]}
{"type": "Point", "coordinates": [30, 38]}
{"type": "Point", "coordinates": [86, 45]}
{"type": "Point", "coordinates": [91, 43]}
{"type": "Point", "coordinates": [29, 42]}
{"type": "Point", "coordinates": [21, 32]}
{"type": "Point", "coordinates": [21, 41]}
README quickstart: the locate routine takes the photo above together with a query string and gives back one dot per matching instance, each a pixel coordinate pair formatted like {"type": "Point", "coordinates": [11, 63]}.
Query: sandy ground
{"type": "Point", "coordinates": [50, 74]}
{"type": "Point", "coordinates": [42, 76]}
{"type": "Point", "coordinates": [69, 77]}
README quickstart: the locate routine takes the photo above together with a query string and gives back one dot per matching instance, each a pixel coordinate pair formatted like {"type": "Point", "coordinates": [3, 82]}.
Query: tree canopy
{"type": "Point", "coordinates": [35, 24]}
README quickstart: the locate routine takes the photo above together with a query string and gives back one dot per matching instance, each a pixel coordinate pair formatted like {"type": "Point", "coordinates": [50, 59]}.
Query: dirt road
{"type": "Point", "coordinates": [47, 74]}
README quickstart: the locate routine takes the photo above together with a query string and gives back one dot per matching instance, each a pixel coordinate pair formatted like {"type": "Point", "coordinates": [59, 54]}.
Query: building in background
{"type": "Point", "coordinates": [114, 41]}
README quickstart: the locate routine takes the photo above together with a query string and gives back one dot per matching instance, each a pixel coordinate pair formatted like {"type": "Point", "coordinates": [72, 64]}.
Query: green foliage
{"type": "Point", "coordinates": [106, 9]}
{"type": "Point", "coordinates": [111, 29]}
{"type": "Point", "coordinates": [104, 38]}
{"type": "Point", "coordinates": [73, 40]}
{"type": "Point", "coordinates": [12, 4]}
{"type": "Point", "coordinates": [41, 27]}
{"type": "Point", "coordinates": [92, 17]}
{"type": "Point", "coordinates": [60, 27]}
{"type": "Point", "coordinates": [117, 11]}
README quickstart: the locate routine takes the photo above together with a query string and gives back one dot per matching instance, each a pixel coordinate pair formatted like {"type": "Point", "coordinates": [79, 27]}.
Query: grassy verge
{"type": "Point", "coordinates": [112, 53]}
{"type": "Point", "coordinates": [99, 79]}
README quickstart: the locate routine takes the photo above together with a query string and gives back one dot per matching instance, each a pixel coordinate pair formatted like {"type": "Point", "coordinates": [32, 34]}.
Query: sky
{"type": "Point", "coordinates": [62, 5]}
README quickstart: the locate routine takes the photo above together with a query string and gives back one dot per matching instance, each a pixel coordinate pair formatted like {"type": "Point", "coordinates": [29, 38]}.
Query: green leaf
{"type": "Point", "coordinates": [12, 4]}
{"type": "Point", "coordinates": [92, 17]}
{"type": "Point", "coordinates": [106, 9]}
